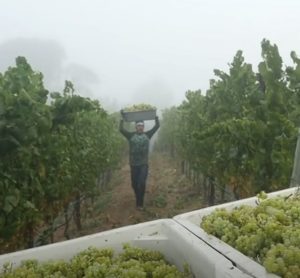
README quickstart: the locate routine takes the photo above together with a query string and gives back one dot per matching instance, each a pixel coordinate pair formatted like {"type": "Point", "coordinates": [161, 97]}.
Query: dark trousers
{"type": "Point", "coordinates": [138, 181]}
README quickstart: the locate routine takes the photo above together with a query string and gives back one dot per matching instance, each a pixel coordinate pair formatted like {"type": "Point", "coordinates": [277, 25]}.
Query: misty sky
{"type": "Point", "coordinates": [126, 51]}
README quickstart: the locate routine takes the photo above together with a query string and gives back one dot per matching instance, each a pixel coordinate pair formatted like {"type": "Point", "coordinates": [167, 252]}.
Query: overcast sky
{"type": "Point", "coordinates": [126, 51]}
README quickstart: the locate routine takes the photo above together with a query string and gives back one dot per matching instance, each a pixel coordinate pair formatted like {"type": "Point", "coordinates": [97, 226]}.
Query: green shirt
{"type": "Point", "coordinates": [138, 149]}
{"type": "Point", "coordinates": [139, 144]}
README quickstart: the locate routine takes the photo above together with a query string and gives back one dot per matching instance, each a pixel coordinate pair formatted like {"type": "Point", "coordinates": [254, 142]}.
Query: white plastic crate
{"type": "Point", "coordinates": [177, 244]}
{"type": "Point", "coordinates": [192, 221]}
{"type": "Point", "coordinates": [139, 115]}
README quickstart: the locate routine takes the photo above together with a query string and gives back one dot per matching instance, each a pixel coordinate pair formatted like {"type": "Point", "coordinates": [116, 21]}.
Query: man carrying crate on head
{"type": "Point", "coordinates": [138, 157]}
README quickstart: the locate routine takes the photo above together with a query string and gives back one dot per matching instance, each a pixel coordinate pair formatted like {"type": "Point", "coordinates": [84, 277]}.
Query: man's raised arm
{"type": "Point", "coordinates": [151, 132]}
{"type": "Point", "coordinates": [125, 132]}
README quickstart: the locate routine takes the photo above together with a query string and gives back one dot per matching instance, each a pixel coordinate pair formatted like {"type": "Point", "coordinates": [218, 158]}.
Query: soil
{"type": "Point", "coordinates": [168, 193]}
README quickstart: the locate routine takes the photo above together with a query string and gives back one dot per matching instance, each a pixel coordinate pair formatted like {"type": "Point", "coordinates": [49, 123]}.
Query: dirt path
{"type": "Point", "coordinates": [168, 193]}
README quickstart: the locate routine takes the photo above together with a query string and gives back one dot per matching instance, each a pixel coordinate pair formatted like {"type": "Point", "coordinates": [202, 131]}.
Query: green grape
{"type": "Point", "coordinates": [166, 271]}
{"type": "Point", "coordinates": [140, 254]}
{"type": "Point", "coordinates": [268, 233]}
{"type": "Point", "coordinates": [250, 245]}
{"type": "Point", "coordinates": [133, 262]}
{"type": "Point", "coordinates": [283, 260]}
{"type": "Point", "coordinates": [291, 237]}
{"type": "Point", "coordinates": [262, 195]}
{"type": "Point", "coordinates": [139, 107]}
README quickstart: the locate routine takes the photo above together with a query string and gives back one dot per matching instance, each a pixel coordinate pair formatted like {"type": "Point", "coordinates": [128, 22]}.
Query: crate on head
{"type": "Point", "coordinates": [139, 115]}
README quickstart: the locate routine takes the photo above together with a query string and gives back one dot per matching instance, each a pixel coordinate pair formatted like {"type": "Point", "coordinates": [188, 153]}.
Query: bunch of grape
{"type": "Point", "coordinates": [268, 233]}
{"type": "Point", "coordinates": [139, 107]}
{"type": "Point", "coordinates": [92, 263]}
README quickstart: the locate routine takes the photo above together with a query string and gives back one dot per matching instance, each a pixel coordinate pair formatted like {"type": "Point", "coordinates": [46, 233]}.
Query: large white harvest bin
{"type": "Point", "coordinates": [192, 221]}
{"type": "Point", "coordinates": [177, 244]}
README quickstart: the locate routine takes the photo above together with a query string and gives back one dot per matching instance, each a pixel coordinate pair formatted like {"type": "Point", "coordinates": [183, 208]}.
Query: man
{"type": "Point", "coordinates": [138, 157]}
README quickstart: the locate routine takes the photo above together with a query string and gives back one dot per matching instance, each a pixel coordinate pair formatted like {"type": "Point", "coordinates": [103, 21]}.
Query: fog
{"type": "Point", "coordinates": [128, 51]}
{"type": "Point", "coordinates": [46, 56]}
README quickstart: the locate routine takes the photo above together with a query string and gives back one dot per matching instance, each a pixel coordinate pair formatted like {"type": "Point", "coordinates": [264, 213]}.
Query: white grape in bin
{"type": "Point", "coordinates": [176, 243]}
{"type": "Point", "coordinates": [192, 221]}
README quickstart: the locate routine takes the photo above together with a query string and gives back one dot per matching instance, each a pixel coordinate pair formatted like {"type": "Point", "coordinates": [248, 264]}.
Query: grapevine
{"type": "Point", "coordinates": [52, 152]}
{"type": "Point", "coordinates": [240, 135]}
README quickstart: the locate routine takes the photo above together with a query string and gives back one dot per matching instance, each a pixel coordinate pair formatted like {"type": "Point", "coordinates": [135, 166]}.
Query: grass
{"type": "Point", "coordinates": [160, 201]}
